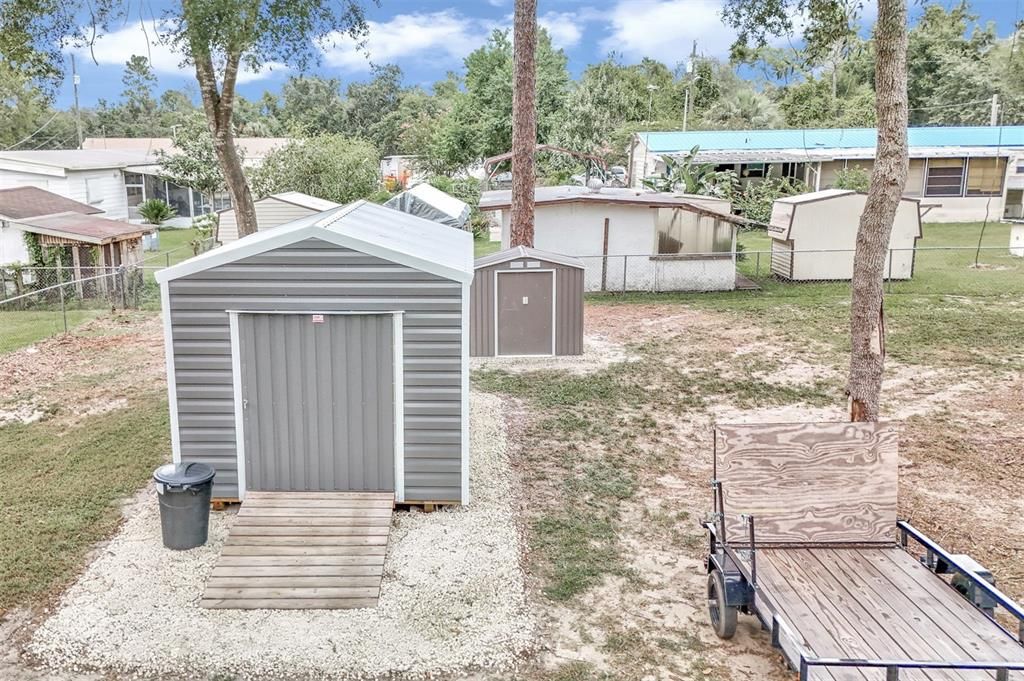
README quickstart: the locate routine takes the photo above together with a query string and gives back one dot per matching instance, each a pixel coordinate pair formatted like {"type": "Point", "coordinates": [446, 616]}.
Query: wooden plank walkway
{"type": "Point", "coordinates": [879, 604]}
{"type": "Point", "coordinates": [308, 550]}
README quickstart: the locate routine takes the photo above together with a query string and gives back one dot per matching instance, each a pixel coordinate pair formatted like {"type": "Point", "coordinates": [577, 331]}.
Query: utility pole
{"type": "Point", "coordinates": [994, 116]}
{"type": "Point", "coordinates": [689, 84]}
{"type": "Point", "coordinates": [75, 80]}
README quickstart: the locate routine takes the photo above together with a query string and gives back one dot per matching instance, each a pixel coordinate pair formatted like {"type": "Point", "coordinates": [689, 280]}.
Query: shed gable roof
{"type": "Point", "coordinates": [526, 252]}
{"type": "Point", "coordinates": [362, 226]}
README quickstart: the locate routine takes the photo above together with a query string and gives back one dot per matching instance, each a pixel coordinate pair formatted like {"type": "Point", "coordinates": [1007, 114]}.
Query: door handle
{"type": "Point", "coordinates": [245, 404]}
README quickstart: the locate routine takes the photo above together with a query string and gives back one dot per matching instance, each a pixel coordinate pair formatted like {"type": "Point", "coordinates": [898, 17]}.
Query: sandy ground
{"type": "Point", "coordinates": [453, 598]}
{"type": "Point", "coordinates": [948, 454]}
{"type": "Point", "coordinates": [960, 472]}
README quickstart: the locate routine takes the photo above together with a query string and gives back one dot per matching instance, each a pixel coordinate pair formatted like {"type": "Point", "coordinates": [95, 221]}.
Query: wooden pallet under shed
{"type": "Point", "coordinates": [303, 550]}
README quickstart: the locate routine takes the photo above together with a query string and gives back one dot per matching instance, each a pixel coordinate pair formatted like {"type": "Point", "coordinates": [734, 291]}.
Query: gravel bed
{"type": "Point", "coordinates": [599, 352]}
{"type": "Point", "coordinates": [453, 598]}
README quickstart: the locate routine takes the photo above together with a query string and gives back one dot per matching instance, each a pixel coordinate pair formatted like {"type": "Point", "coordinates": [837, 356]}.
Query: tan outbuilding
{"type": "Point", "coordinates": [814, 236]}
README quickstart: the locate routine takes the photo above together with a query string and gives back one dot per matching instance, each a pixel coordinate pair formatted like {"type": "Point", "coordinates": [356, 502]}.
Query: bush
{"type": "Point", "coordinates": [332, 167]}
{"type": "Point", "coordinates": [755, 202]}
{"type": "Point", "coordinates": [853, 177]}
{"type": "Point", "coordinates": [156, 211]}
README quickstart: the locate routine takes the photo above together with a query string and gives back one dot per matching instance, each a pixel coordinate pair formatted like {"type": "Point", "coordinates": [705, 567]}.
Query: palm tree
{"type": "Point", "coordinates": [524, 121]}
{"type": "Point", "coordinates": [744, 110]}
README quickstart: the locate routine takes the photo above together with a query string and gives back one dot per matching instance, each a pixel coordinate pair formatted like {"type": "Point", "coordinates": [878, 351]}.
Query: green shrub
{"type": "Point", "coordinates": [156, 211]}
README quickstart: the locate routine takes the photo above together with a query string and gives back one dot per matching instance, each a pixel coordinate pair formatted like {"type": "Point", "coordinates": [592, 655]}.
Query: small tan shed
{"type": "Point", "coordinates": [814, 236]}
{"type": "Point", "coordinates": [526, 302]}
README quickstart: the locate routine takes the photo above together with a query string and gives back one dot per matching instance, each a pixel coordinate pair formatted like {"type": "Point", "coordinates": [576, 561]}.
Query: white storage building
{"type": "Point", "coordinates": [814, 236]}
{"type": "Point", "coordinates": [273, 211]}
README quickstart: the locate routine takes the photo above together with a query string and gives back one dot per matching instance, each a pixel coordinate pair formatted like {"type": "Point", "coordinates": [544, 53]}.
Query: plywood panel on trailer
{"type": "Point", "coordinates": [809, 483]}
{"type": "Point", "coordinates": [303, 550]}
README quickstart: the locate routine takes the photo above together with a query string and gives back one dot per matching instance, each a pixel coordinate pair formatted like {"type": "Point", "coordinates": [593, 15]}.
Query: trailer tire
{"type": "Point", "coordinates": [723, 617]}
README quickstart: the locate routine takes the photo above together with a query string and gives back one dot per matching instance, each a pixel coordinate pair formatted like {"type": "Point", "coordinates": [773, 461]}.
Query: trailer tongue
{"type": "Point", "coordinates": [804, 536]}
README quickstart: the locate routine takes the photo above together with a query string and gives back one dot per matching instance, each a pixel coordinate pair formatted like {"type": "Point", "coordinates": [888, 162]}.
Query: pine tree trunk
{"type": "Point", "coordinates": [888, 177]}
{"type": "Point", "coordinates": [218, 105]}
{"type": "Point", "coordinates": [524, 121]}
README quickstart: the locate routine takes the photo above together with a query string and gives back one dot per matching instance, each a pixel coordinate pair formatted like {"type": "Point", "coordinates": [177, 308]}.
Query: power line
{"type": "Point", "coordinates": [41, 128]}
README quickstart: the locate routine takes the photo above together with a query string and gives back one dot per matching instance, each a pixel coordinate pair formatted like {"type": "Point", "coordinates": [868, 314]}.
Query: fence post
{"type": "Point", "coordinates": [757, 266]}
{"type": "Point", "coordinates": [124, 298]}
{"type": "Point", "coordinates": [168, 256]}
{"type": "Point", "coordinates": [625, 260]}
{"type": "Point", "coordinates": [60, 290]}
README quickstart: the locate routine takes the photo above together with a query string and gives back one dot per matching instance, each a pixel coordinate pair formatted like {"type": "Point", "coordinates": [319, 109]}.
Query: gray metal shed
{"type": "Point", "coordinates": [526, 302]}
{"type": "Point", "coordinates": [326, 354]}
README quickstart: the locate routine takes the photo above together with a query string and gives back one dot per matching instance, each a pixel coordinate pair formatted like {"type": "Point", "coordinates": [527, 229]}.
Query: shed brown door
{"type": "Point", "coordinates": [525, 312]}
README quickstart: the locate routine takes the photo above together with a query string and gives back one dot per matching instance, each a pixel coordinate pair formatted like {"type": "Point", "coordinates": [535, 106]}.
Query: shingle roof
{"type": "Point", "coordinates": [77, 159]}
{"type": "Point", "coordinates": [27, 202]}
{"type": "Point", "coordinates": [87, 228]}
{"type": "Point", "coordinates": [829, 138]}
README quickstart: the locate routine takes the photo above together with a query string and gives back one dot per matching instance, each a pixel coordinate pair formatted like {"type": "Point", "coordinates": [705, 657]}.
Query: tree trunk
{"type": "Point", "coordinates": [219, 106]}
{"type": "Point", "coordinates": [524, 121]}
{"type": "Point", "coordinates": [888, 177]}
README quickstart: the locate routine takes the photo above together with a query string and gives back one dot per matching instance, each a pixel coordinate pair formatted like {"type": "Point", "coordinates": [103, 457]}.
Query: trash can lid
{"type": "Point", "coordinates": [184, 474]}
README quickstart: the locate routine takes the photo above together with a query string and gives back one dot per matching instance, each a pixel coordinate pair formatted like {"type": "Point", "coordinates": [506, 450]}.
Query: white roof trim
{"type": "Point", "coordinates": [301, 229]}
{"type": "Point", "coordinates": [517, 252]}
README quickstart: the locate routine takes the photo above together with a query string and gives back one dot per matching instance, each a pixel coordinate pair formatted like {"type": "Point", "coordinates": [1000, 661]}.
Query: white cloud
{"type": "Point", "coordinates": [665, 29]}
{"type": "Point", "coordinates": [117, 47]}
{"type": "Point", "coordinates": [564, 27]}
{"type": "Point", "coordinates": [446, 34]}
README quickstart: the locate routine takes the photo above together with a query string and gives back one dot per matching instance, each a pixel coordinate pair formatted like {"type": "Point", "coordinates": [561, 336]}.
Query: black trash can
{"type": "Point", "coordinates": [184, 490]}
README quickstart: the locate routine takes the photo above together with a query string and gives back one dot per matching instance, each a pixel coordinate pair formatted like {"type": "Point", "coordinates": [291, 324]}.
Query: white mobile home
{"type": "Point", "coordinates": [632, 240]}
{"type": "Point", "coordinates": [960, 173]}
{"type": "Point", "coordinates": [272, 211]}
{"type": "Point", "coordinates": [814, 236]}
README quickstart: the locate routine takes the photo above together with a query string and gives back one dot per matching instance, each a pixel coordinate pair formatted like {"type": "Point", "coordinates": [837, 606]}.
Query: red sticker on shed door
{"type": "Point", "coordinates": [318, 319]}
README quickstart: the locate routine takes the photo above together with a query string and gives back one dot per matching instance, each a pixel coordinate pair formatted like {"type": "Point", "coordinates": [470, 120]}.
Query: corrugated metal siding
{"type": "Point", "coordinates": [320, 407]}
{"type": "Point", "coordinates": [782, 258]}
{"type": "Point", "coordinates": [568, 307]}
{"type": "Point", "coordinates": [315, 275]}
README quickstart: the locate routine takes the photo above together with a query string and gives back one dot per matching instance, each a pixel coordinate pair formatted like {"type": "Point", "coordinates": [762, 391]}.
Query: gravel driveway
{"type": "Point", "coordinates": [453, 598]}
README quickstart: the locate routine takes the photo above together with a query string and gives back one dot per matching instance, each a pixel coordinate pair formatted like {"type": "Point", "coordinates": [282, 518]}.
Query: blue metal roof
{"type": "Point", "coordinates": [829, 138]}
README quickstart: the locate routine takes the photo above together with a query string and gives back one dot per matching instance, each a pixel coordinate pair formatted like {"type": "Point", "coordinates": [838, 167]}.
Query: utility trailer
{"type": "Point", "coordinates": [804, 536]}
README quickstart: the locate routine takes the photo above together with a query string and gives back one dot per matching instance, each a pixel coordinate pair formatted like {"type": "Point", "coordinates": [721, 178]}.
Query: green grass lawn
{"type": "Point", "coordinates": [483, 247]}
{"type": "Point", "coordinates": [19, 328]}
{"type": "Point", "coordinates": [60, 486]}
{"type": "Point", "coordinates": [950, 313]}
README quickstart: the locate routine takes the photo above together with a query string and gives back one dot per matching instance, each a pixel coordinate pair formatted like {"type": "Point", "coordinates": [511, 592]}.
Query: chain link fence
{"type": "Point", "coordinates": [39, 302]}
{"type": "Point", "coordinates": [965, 271]}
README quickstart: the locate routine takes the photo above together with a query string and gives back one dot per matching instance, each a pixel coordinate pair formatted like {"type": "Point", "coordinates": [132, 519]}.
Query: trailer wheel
{"type": "Point", "coordinates": [723, 617]}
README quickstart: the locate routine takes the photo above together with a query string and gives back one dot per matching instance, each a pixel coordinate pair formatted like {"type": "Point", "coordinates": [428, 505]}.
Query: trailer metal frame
{"type": "Point", "coordinates": [737, 564]}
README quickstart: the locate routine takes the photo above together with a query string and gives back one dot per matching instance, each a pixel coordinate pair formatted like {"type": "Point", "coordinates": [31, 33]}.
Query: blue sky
{"type": "Point", "coordinates": [428, 38]}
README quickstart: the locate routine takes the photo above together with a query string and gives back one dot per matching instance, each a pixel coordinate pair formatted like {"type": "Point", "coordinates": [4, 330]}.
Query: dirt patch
{"type": "Point", "coordinates": [646, 618]}
{"type": "Point", "coordinates": [91, 371]}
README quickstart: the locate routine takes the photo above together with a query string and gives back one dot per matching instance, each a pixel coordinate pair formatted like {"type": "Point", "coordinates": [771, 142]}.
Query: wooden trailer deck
{"type": "Point", "coordinates": [308, 550]}
{"type": "Point", "coordinates": [877, 604]}
{"type": "Point", "coordinates": [805, 536]}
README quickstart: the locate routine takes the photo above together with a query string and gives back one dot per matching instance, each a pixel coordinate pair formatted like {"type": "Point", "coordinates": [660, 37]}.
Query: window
{"type": "Point", "coordinates": [985, 176]}
{"type": "Point", "coordinates": [945, 177]}
{"type": "Point", "coordinates": [94, 190]}
{"type": "Point", "coordinates": [793, 171]}
{"type": "Point", "coordinates": [681, 232]}
{"type": "Point", "coordinates": [754, 170]}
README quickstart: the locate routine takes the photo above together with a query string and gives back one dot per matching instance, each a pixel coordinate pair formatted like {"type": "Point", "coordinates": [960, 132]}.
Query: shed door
{"type": "Point", "coordinates": [318, 401]}
{"type": "Point", "coordinates": [524, 312]}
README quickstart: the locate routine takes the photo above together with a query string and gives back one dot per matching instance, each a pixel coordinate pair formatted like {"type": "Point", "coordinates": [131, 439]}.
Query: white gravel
{"type": "Point", "coordinates": [599, 352]}
{"type": "Point", "coordinates": [453, 599]}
